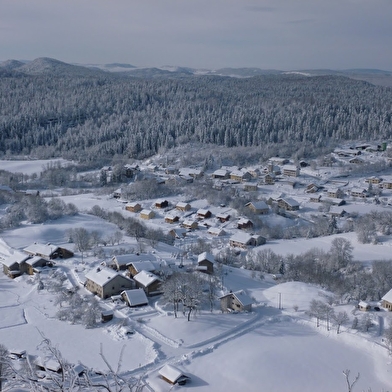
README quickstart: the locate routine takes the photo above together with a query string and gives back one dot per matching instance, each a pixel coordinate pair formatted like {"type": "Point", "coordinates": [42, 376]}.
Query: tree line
{"type": "Point", "coordinates": [85, 118]}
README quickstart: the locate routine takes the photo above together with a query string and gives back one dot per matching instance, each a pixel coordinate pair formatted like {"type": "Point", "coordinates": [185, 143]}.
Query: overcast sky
{"type": "Point", "coordinates": [268, 34]}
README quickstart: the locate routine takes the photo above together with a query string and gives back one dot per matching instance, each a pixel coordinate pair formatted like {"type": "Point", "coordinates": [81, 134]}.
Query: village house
{"type": "Point", "coordinates": [130, 169]}
{"type": "Point", "coordinates": [221, 174]}
{"type": "Point", "coordinates": [172, 218]}
{"type": "Point", "coordinates": [373, 180]}
{"type": "Point", "coordinates": [387, 183]}
{"type": "Point", "coordinates": [190, 172]}
{"type": "Point", "coordinates": [258, 207]}
{"type": "Point", "coordinates": [237, 301]}
{"type": "Point", "coordinates": [149, 282]}
{"type": "Point", "coordinates": [335, 193]}
{"type": "Point", "coordinates": [244, 240]}
{"type": "Point", "coordinates": [146, 263]}
{"type": "Point", "coordinates": [288, 204]}
{"type": "Point", "coordinates": [15, 265]}
{"type": "Point", "coordinates": [269, 179]}
{"type": "Point", "coordinates": [203, 213]}
{"type": "Point", "coordinates": [312, 188]}
{"type": "Point", "coordinates": [190, 224]}
{"type": "Point", "coordinates": [244, 224]}
{"type": "Point", "coordinates": [217, 231]}
{"type": "Point", "coordinates": [239, 175]}
{"type": "Point", "coordinates": [315, 199]}
{"type": "Point", "coordinates": [173, 375]}
{"type": "Point", "coordinates": [223, 217]}
{"type": "Point", "coordinates": [359, 192]}
{"type": "Point", "coordinates": [162, 203]}
{"type": "Point", "coordinates": [182, 206]}
{"type": "Point", "coordinates": [386, 300]}
{"type": "Point", "coordinates": [147, 214]}
{"type": "Point", "coordinates": [134, 298]}
{"type": "Point", "coordinates": [48, 251]}
{"type": "Point", "coordinates": [117, 193]}
{"type": "Point", "coordinates": [250, 186]}
{"type": "Point", "coordinates": [291, 170]}
{"type": "Point", "coordinates": [133, 207]}
{"type": "Point", "coordinates": [205, 263]}
{"type": "Point", "coordinates": [178, 232]}
{"type": "Point", "coordinates": [336, 211]}
{"type": "Point", "coordinates": [254, 171]}
{"type": "Point", "coordinates": [364, 306]}
{"type": "Point", "coordinates": [106, 282]}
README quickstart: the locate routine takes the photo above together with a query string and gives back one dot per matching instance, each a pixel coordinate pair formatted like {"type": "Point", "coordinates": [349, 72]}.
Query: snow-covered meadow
{"type": "Point", "coordinates": [268, 349]}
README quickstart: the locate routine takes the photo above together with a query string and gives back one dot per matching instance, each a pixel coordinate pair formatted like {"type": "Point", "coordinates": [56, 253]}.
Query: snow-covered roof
{"type": "Point", "coordinates": [203, 211]}
{"type": "Point", "coordinates": [388, 296]}
{"type": "Point", "coordinates": [241, 237]}
{"type": "Point", "coordinates": [172, 374]}
{"type": "Point", "coordinates": [132, 258]}
{"type": "Point", "coordinates": [215, 230]}
{"type": "Point", "coordinates": [291, 202]}
{"type": "Point", "coordinates": [205, 256]}
{"type": "Point", "coordinates": [146, 265]}
{"type": "Point", "coordinates": [259, 205]}
{"type": "Point", "coordinates": [145, 278]}
{"type": "Point", "coordinates": [102, 276]}
{"type": "Point", "coordinates": [182, 204]}
{"type": "Point", "coordinates": [241, 296]}
{"type": "Point", "coordinates": [17, 257]}
{"type": "Point", "coordinates": [135, 297]}
{"type": "Point", "coordinates": [41, 249]}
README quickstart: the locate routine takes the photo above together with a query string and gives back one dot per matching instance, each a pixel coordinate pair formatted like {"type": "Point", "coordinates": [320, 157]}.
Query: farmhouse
{"type": "Point", "coordinates": [182, 206]}
{"type": "Point", "coordinates": [172, 218]}
{"type": "Point", "coordinates": [146, 263]}
{"type": "Point", "coordinates": [243, 240]}
{"type": "Point", "coordinates": [223, 217]}
{"type": "Point", "coordinates": [48, 251]}
{"type": "Point", "coordinates": [290, 170]}
{"type": "Point", "coordinates": [15, 265]}
{"type": "Point", "coordinates": [133, 207]}
{"type": "Point", "coordinates": [236, 301]}
{"type": "Point", "coordinates": [178, 232]}
{"type": "Point", "coordinates": [359, 192]}
{"type": "Point", "coordinates": [133, 298]}
{"type": "Point", "coordinates": [147, 214]}
{"type": "Point", "coordinates": [258, 207]}
{"type": "Point", "coordinates": [239, 175]}
{"type": "Point", "coordinates": [288, 204]}
{"type": "Point", "coordinates": [205, 263]}
{"type": "Point", "coordinates": [250, 186]}
{"type": "Point", "coordinates": [162, 203]}
{"type": "Point", "coordinates": [221, 174]}
{"type": "Point", "coordinates": [335, 193]}
{"type": "Point", "coordinates": [105, 282]}
{"type": "Point", "coordinates": [149, 282]}
{"type": "Point", "coordinates": [386, 300]}
{"type": "Point", "coordinates": [269, 179]}
{"type": "Point", "coordinates": [190, 224]}
{"type": "Point", "coordinates": [173, 375]}
{"type": "Point", "coordinates": [203, 213]}
{"type": "Point", "coordinates": [244, 223]}
{"type": "Point", "coordinates": [216, 231]}
{"type": "Point", "coordinates": [190, 172]}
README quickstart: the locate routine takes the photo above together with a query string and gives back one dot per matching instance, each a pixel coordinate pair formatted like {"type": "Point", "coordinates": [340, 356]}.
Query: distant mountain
{"type": "Point", "coordinates": [11, 64]}
{"type": "Point", "coordinates": [45, 65]}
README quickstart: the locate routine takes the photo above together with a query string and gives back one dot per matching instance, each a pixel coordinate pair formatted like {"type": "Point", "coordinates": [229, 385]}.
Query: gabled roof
{"type": "Point", "coordinates": [241, 296]}
{"type": "Point", "coordinates": [146, 265]}
{"type": "Point", "coordinates": [172, 374]}
{"type": "Point", "coordinates": [241, 237]}
{"type": "Point", "coordinates": [258, 205]}
{"type": "Point", "coordinates": [17, 257]}
{"type": "Point", "coordinates": [103, 276]}
{"type": "Point", "coordinates": [146, 278]}
{"type": "Point", "coordinates": [205, 256]}
{"type": "Point", "coordinates": [244, 221]}
{"type": "Point", "coordinates": [182, 204]}
{"type": "Point", "coordinates": [42, 249]}
{"type": "Point", "coordinates": [132, 258]}
{"type": "Point", "coordinates": [388, 296]}
{"type": "Point", "coordinates": [203, 211]}
{"type": "Point", "coordinates": [291, 202]}
{"type": "Point", "coordinates": [135, 297]}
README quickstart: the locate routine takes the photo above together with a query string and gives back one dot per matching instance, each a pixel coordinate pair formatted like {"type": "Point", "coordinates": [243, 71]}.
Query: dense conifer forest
{"type": "Point", "coordinates": [85, 116]}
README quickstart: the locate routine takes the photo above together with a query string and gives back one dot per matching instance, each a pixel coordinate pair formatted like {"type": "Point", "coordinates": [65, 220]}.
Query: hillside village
{"type": "Point", "coordinates": [206, 243]}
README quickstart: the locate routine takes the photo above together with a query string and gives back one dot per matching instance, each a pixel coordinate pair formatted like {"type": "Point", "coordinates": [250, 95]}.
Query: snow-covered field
{"type": "Point", "coordinates": [269, 349]}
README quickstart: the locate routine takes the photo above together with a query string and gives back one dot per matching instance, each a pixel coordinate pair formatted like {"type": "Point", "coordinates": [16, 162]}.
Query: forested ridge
{"type": "Point", "coordinates": [85, 117]}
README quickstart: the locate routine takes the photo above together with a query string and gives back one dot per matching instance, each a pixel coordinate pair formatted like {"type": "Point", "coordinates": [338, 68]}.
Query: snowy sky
{"type": "Point", "coordinates": [279, 34]}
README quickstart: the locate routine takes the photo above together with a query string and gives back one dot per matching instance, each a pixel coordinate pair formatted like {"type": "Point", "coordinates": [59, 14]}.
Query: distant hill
{"type": "Point", "coordinates": [46, 65]}
{"type": "Point", "coordinates": [11, 64]}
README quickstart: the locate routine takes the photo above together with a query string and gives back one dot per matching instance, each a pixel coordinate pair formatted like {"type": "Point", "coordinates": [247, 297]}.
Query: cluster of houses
{"type": "Point", "coordinates": [33, 258]}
